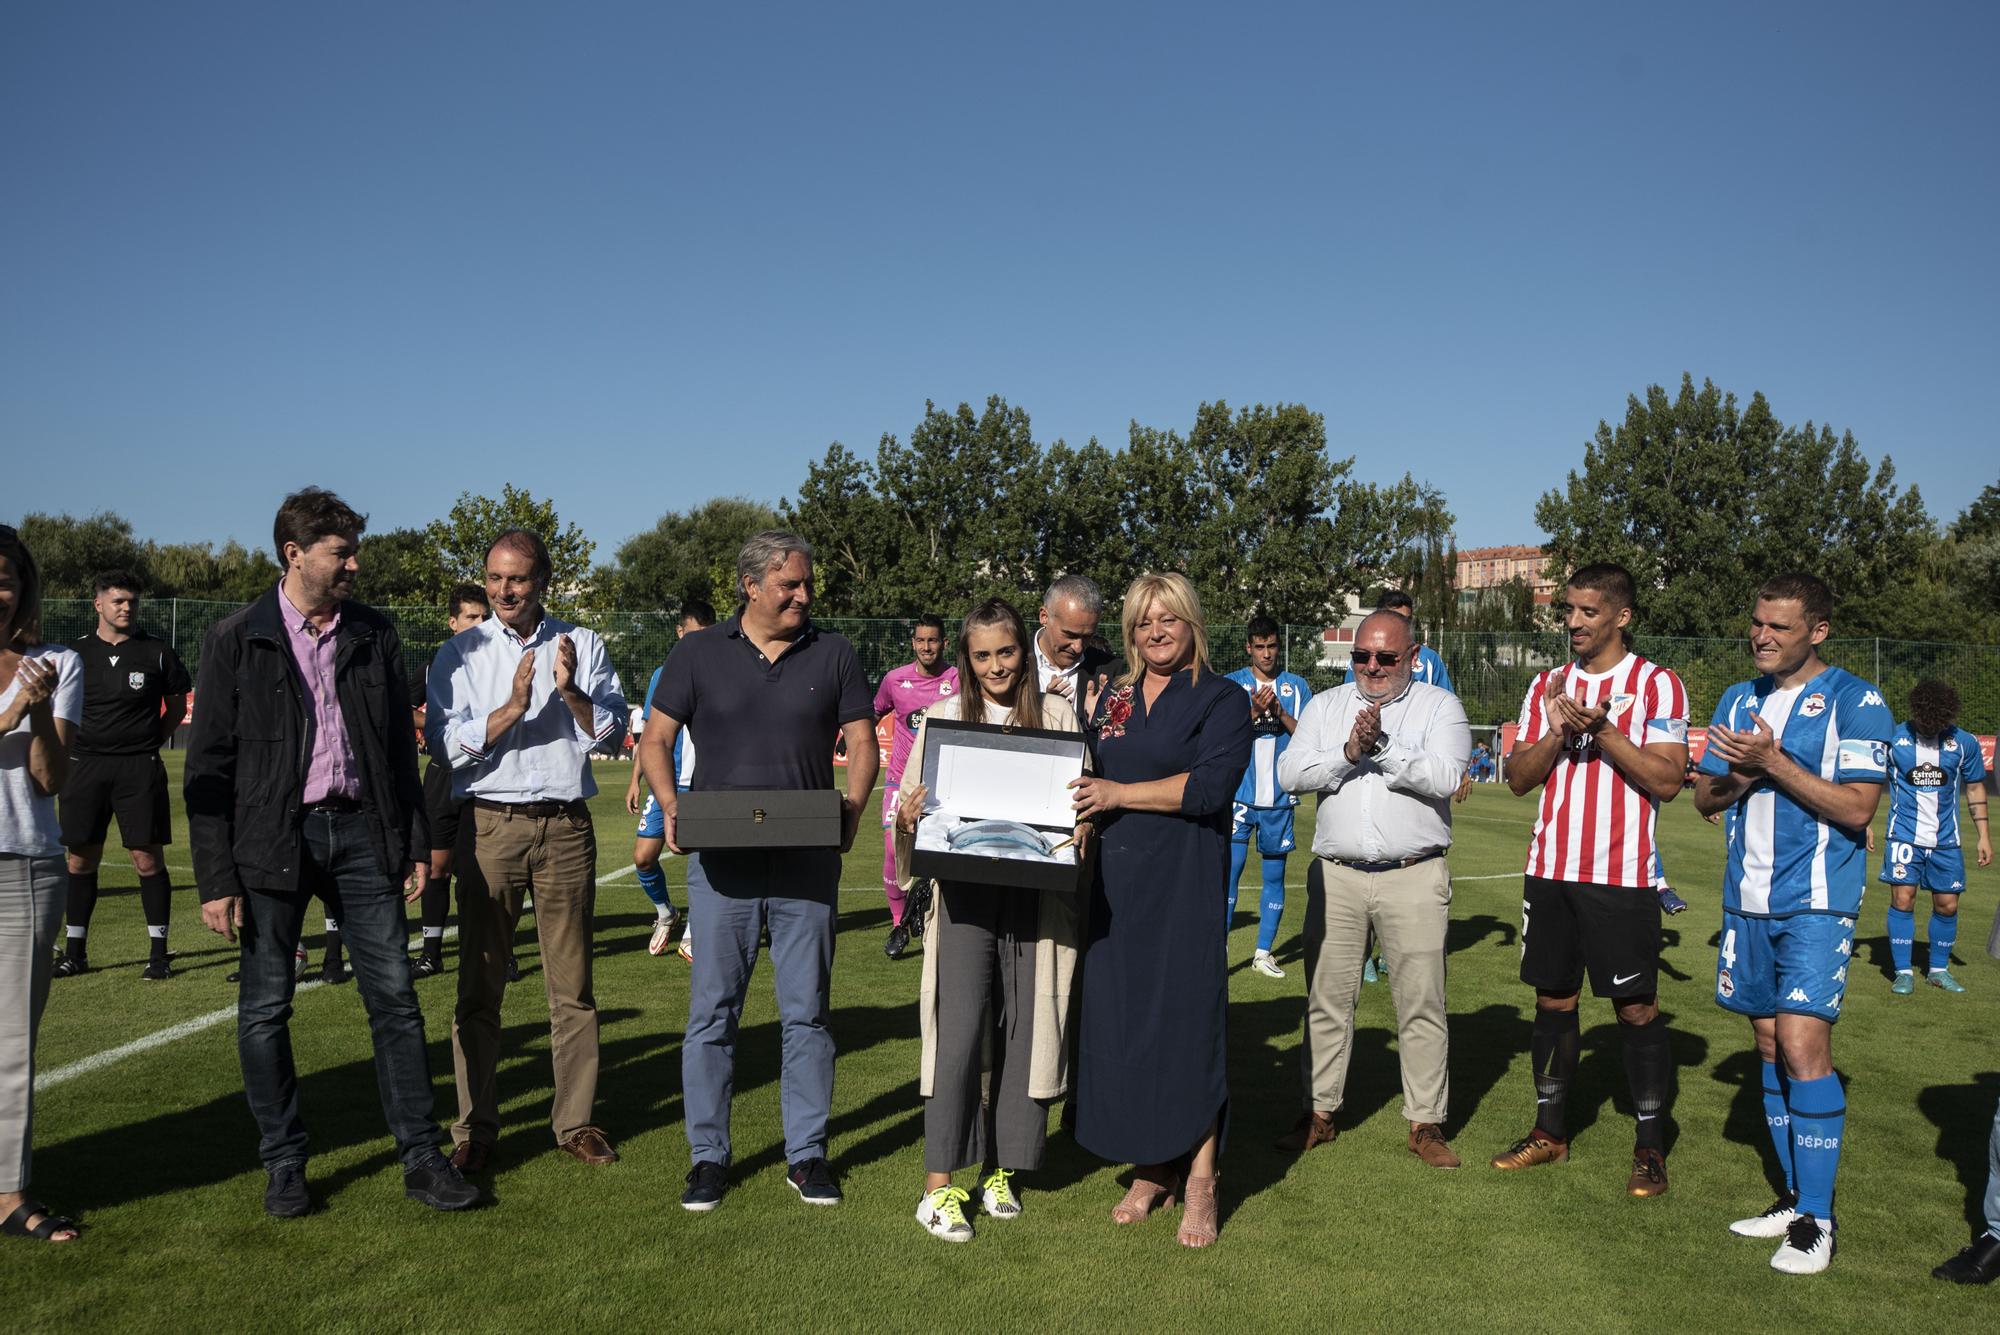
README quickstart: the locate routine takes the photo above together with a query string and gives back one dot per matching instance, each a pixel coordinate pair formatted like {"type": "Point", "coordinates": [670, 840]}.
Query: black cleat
{"type": "Point", "coordinates": [513, 970]}
{"type": "Point", "coordinates": [69, 966]}
{"type": "Point", "coordinates": [156, 972]}
{"type": "Point", "coordinates": [426, 967]}
{"type": "Point", "coordinates": [334, 970]}
{"type": "Point", "coordinates": [898, 942]}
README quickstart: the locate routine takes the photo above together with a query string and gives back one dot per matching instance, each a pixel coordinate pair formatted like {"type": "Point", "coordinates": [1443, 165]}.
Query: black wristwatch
{"type": "Point", "coordinates": [1381, 745]}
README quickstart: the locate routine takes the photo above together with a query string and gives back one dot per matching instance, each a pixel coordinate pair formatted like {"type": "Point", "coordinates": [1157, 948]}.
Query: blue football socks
{"type": "Point", "coordinates": [1902, 937]}
{"type": "Point", "coordinates": [1778, 1117]}
{"type": "Point", "coordinates": [654, 883]}
{"type": "Point", "coordinates": [1819, 1121]}
{"type": "Point", "coordinates": [1944, 935]}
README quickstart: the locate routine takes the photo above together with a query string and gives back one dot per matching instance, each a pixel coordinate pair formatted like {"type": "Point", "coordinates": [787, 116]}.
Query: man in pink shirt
{"type": "Point", "coordinates": [907, 692]}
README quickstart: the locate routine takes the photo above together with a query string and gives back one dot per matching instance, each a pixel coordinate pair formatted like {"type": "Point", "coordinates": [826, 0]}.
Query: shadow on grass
{"type": "Point", "coordinates": [1963, 1115]}
{"type": "Point", "coordinates": [1601, 1079]}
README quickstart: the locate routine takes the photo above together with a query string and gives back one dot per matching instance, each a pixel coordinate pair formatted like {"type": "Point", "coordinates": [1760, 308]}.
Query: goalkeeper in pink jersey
{"type": "Point", "coordinates": [906, 692]}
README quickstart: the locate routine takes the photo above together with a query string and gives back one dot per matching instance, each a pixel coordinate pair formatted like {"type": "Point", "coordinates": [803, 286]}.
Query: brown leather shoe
{"type": "Point", "coordinates": [1427, 1142]}
{"type": "Point", "coordinates": [1649, 1174]}
{"type": "Point", "coordinates": [471, 1157]}
{"type": "Point", "coordinates": [1313, 1129]}
{"type": "Point", "coordinates": [590, 1145]}
{"type": "Point", "coordinates": [1535, 1148]}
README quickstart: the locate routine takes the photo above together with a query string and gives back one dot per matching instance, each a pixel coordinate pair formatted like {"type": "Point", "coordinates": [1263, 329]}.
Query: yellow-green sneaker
{"type": "Point", "coordinates": [997, 1197]}
{"type": "Point", "coordinates": [942, 1213]}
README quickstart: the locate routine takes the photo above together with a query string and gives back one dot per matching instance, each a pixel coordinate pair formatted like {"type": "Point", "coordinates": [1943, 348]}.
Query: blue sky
{"type": "Point", "coordinates": [635, 255]}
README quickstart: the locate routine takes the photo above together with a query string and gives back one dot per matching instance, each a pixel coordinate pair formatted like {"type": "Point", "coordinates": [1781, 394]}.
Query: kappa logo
{"type": "Point", "coordinates": [1797, 994]}
{"type": "Point", "coordinates": [1904, 741]}
{"type": "Point", "coordinates": [1812, 706]}
{"type": "Point", "coordinates": [1840, 974]}
{"type": "Point", "coordinates": [1834, 1004]}
{"type": "Point", "coordinates": [1845, 947]}
{"type": "Point", "coordinates": [1871, 698]}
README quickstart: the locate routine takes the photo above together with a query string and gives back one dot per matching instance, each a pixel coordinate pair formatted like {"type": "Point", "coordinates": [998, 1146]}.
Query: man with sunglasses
{"type": "Point", "coordinates": [1605, 739]}
{"type": "Point", "coordinates": [1386, 754]}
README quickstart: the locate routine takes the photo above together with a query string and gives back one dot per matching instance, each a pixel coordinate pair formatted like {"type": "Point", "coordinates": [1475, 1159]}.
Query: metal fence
{"type": "Point", "coordinates": [1491, 670]}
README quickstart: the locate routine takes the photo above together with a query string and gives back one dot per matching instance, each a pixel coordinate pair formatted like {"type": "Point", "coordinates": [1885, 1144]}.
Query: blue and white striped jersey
{"type": "Point", "coordinates": [1259, 787]}
{"type": "Point", "coordinates": [1783, 859]}
{"type": "Point", "coordinates": [1926, 775]}
{"type": "Point", "coordinates": [1430, 669]}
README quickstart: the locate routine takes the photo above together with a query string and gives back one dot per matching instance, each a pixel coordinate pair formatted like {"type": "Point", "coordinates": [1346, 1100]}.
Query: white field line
{"type": "Point", "coordinates": [173, 1033]}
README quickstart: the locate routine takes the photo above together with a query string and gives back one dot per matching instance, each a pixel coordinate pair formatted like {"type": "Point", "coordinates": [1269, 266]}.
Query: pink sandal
{"type": "Point", "coordinates": [1144, 1198]}
{"type": "Point", "coordinates": [1200, 1223]}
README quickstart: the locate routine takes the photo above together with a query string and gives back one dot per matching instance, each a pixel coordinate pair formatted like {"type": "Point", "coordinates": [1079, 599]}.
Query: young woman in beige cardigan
{"type": "Point", "coordinates": [998, 965]}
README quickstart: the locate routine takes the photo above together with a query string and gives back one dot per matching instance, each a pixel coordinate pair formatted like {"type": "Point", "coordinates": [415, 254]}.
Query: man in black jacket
{"type": "Point", "coordinates": [302, 780]}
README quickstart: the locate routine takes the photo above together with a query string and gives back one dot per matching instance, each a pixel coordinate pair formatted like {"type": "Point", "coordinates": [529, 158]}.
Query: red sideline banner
{"type": "Point", "coordinates": [885, 737]}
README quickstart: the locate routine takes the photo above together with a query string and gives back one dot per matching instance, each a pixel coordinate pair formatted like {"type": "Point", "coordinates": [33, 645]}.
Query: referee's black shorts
{"type": "Point", "coordinates": [132, 788]}
{"type": "Point", "coordinates": [1572, 927]}
{"type": "Point", "coordinates": [438, 805]}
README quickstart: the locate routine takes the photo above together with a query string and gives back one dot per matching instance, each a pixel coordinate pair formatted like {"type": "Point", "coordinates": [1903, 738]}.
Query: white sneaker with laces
{"type": "Point", "coordinates": [1264, 964]}
{"type": "Point", "coordinates": [942, 1213]}
{"type": "Point", "coordinates": [996, 1195]}
{"type": "Point", "coordinates": [1807, 1249]}
{"type": "Point", "coordinates": [1777, 1217]}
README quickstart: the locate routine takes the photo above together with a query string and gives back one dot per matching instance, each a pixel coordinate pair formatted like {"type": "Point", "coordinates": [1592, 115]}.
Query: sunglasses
{"type": "Point", "coordinates": [1383, 658]}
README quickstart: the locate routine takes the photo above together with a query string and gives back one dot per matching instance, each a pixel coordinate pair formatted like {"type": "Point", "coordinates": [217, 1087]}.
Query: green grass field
{"type": "Point", "coordinates": [157, 1151]}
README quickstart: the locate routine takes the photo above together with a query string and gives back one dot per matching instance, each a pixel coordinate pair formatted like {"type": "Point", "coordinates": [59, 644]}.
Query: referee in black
{"type": "Point", "coordinates": [135, 691]}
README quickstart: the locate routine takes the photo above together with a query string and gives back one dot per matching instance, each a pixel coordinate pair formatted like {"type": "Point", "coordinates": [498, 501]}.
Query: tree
{"type": "Point", "coordinates": [455, 546]}
{"type": "Point", "coordinates": [852, 533]}
{"type": "Point", "coordinates": [396, 570]}
{"type": "Point", "coordinates": [689, 554]}
{"type": "Point", "coordinates": [70, 552]}
{"type": "Point", "coordinates": [235, 574]}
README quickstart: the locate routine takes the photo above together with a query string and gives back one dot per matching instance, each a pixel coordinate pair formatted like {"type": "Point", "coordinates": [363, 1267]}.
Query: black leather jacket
{"type": "Point", "coordinates": [252, 740]}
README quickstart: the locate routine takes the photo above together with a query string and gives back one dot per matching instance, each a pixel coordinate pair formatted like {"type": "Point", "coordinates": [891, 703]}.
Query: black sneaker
{"type": "Point", "coordinates": [285, 1194]}
{"type": "Point", "coordinates": [813, 1180]}
{"type": "Point", "coordinates": [513, 970]}
{"type": "Point", "coordinates": [426, 966]}
{"type": "Point", "coordinates": [156, 972]}
{"type": "Point", "coordinates": [69, 966]}
{"type": "Point", "coordinates": [705, 1184]}
{"type": "Point", "coordinates": [437, 1184]}
{"type": "Point", "coordinates": [898, 942]}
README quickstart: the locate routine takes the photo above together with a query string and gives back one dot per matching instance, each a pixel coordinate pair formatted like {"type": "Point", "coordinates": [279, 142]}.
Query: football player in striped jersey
{"type": "Point", "coordinates": [1931, 759]}
{"type": "Point", "coordinates": [1605, 739]}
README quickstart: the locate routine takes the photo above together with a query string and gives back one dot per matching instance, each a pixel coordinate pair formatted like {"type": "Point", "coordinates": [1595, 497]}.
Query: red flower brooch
{"type": "Point", "coordinates": [1117, 711]}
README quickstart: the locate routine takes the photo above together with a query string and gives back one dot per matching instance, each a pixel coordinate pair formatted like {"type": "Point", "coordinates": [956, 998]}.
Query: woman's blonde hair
{"type": "Point", "coordinates": [1174, 593]}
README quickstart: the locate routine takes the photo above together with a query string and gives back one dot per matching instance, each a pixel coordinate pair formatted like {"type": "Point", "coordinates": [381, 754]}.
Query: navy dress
{"type": "Point", "coordinates": [1150, 1051]}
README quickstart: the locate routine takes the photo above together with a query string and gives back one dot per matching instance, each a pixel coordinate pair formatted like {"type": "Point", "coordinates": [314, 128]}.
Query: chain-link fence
{"type": "Point", "coordinates": [1491, 670]}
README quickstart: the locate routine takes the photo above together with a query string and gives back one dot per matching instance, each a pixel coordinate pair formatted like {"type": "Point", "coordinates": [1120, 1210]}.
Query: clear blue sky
{"type": "Point", "coordinates": [635, 255]}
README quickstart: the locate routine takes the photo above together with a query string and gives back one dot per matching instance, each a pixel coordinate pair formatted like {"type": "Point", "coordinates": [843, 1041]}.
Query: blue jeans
{"type": "Point", "coordinates": [732, 895]}
{"type": "Point", "coordinates": [341, 867]}
{"type": "Point", "coordinates": [1993, 1178]}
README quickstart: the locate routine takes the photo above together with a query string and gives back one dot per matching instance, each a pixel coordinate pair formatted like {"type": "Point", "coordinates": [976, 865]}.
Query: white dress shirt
{"type": "Point", "coordinates": [545, 756]}
{"type": "Point", "coordinates": [1051, 674]}
{"type": "Point", "coordinates": [1395, 804]}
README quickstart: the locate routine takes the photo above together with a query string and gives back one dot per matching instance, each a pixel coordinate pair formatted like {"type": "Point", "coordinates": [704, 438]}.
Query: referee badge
{"type": "Point", "coordinates": [136, 680]}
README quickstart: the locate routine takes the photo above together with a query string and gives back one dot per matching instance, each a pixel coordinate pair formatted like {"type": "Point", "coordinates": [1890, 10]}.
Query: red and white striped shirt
{"type": "Point", "coordinates": [1594, 824]}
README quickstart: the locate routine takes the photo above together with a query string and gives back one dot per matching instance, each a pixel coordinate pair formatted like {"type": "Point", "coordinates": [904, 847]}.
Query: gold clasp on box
{"type": "Point", "coordinates": [757, 815]}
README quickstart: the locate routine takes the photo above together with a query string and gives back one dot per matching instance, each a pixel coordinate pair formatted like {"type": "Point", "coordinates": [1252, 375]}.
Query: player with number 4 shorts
{"type": "Point", "coordinates": [1796, 762]}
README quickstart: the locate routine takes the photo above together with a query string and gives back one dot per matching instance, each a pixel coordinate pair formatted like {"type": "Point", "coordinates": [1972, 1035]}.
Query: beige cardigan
{"type": "Point", "coordinates": [1059, 927]}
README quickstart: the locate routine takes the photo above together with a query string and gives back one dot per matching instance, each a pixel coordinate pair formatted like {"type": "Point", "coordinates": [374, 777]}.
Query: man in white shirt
{"type": "Point", "coordinates": [1066, 659]}
{"type": "Point", "coordinates": [517, 704]}
{"type": "Point", "coordinates": [1386, 754]}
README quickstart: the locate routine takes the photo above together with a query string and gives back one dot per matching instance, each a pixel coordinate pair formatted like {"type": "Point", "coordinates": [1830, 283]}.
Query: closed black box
{"type": "Point", "coordinates": [986, 771]}
{"type": "Point", "coordinates": [758, 818]}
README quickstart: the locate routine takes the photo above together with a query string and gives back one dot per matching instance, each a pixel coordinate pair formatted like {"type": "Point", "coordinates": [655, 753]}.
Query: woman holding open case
{"type": "Point", "coordinates": [998, 964]}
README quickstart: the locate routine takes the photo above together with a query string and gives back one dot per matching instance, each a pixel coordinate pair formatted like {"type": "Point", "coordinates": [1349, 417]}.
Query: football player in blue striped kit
{"type": "Point", "coordinates": [1262, 808]}
{"type": "Point", "coordinates": [1797, 759]}
{"type": "Point", "coordinates": [1931, 759]}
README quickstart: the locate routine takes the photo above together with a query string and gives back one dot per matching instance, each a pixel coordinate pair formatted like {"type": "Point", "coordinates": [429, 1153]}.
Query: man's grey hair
{"type": "Point", "coordinates": [1383, 618]}
{"type": "Point", "coordinates": [1078, 589]}
{"type": "Point", "coordinates": [765, 552]}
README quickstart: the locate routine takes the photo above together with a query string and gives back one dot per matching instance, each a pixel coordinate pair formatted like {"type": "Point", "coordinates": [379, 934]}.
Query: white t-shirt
{"type": "Point", "coordinates": [28, 826]}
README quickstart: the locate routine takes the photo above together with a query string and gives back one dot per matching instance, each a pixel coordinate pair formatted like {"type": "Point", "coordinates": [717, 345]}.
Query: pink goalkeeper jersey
{"type": "Point", "coordinates": [907, 692]}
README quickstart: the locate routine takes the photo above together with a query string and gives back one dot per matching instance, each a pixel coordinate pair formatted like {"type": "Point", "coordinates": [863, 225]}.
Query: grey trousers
{"type": "Point", "coordinates": [1410, 910]}
{"type": "Point", "coordinates": [1993, 1177]}
{"type": "Point", "coordinates": [31, 909]}
{"type": "Point", "coordinates": [733, 895]}
{"type": "Point", "coordinates": [984, 937]}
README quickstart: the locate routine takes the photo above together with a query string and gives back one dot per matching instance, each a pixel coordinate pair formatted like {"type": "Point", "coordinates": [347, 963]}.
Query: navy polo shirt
{"type": "Point", "coordinates": [760, 723]}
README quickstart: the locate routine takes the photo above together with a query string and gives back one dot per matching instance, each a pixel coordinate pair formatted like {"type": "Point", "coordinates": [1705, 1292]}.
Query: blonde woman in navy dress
{"type": "Point", "coordinates": [1171, 739]}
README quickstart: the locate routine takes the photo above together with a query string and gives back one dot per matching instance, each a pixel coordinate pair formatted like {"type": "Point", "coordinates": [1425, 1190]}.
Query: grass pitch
{"type": "Point", "coordinates": [156, 1150]}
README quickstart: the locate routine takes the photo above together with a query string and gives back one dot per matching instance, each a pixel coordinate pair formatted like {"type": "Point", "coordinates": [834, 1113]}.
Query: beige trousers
{"type": "Point", "coordinates": [1410, 909]}
{"type": "Point", "coordinates": [500, 856]}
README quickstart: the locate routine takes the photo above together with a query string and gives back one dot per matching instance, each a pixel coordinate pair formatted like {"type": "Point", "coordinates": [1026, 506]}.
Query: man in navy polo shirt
{"type": "Point", "coordinates": [763, 694]}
